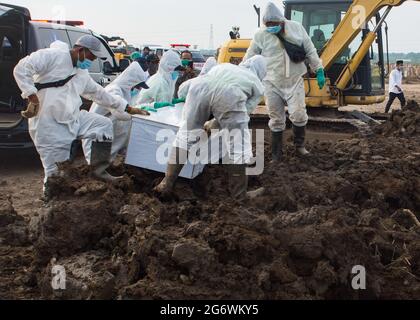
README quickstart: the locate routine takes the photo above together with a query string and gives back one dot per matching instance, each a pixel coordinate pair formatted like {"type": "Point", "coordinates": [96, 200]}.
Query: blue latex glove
{"type": "Point", "coordinates": [320, 76]}
{"type": "Point", "coordinates": [149, 109]}
{"type": "Point", "coordinates": [159, 105]}
{"type": "Point", "coordinates": [179, 100]}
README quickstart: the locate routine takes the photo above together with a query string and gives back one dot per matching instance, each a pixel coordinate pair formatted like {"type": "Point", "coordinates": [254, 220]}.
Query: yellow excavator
{"type": "Point", "coordinates": [349, 36]}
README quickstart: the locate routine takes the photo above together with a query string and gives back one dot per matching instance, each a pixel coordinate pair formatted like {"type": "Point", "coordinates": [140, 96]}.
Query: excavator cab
{"type": "Point", "coordinates": [320, 19]}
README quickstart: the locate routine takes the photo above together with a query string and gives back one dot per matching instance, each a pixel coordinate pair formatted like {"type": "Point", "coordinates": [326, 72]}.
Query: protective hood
{"type": "Point", "coordinates": [257, 65]}
{"type": "Point", "coordinates": [162, 86]}
{"type": "Point", "coordinates": [170, 60]}
{"type": "Point", "coordinates": [131, 77]}
{"type": "Point", "coordinates": [122, 86]}
{"type": "Point", "coordinates": [59, 45]}
{"type": "Point", "coordinates": [273, 13]}
{"type": "Point", "coordinates": [210, 64]}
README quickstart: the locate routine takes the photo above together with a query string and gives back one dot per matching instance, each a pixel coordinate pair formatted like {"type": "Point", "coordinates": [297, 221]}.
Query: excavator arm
{"type": "Point", "coordinates": [359, 14]}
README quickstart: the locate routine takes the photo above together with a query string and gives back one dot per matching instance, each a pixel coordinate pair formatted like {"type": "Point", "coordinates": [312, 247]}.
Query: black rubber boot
{"type": "Point", "coordinates": [299, 140]}
{"type": "Point", "coordinates": [100, 160]}
{"type": "Point", "coordinates": [238, 183]}
{"type": "Point", "coordinates": [74, 149]}
{"type": "Point", "coordinates": [277, 146]}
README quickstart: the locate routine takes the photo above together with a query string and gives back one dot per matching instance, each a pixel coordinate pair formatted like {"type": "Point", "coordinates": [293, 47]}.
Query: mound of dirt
{"type": "Point", "coordinates": [82, 218]}
{"type": "Point", "coordinates": [13, 229]}
{"type": "Point", "coordinates": [405, 122]}
{"type": "Point", "coordinates": [91, 277]}
{"type": "Point", "coordinates": [16, 258]}
{"type": "Point", "coordinates": [321, 216]}
{"type": "Point", "coordinates": [352, 203]}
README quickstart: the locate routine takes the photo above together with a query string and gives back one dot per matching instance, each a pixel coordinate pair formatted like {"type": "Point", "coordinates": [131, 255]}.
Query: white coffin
{"type": "Point", "coordinates": [143, 145]}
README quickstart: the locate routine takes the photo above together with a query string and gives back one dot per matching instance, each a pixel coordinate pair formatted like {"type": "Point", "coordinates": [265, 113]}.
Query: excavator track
{"type": "Point", "coordinates": [340, 125]}
{"type": "Point", "coordinates": [332, 120]}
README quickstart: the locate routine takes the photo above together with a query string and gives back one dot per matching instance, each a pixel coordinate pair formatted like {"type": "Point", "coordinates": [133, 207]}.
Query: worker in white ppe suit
{"type": "Point", "coordinates": [284, 84]}
{"type": "Point", "coordinates": [127, 85]}
{"type": "Point", "coordinates": [227, 92]}
{"type": "Point", "coordinates": [257, 66]}
{"type": "Point", "coordinates": [53, 79]}
{"type": "Point", "coordinates": [162, 84]}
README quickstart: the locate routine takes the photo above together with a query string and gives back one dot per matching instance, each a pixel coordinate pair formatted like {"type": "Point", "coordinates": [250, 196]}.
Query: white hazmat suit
{"type": "Point", "coordinates": [284, 82]}
{"type": "Point", "coordinates": [120, 87]}
{"type": "Point", "coordinates": [227, 92]}
{"type": "Point", "coordinates": [60, 121]}
{"type": "Point", "coordinates": [161, 85]}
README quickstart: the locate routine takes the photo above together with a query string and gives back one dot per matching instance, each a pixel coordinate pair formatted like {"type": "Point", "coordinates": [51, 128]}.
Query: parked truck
{"type": "Point", "coordinates": [19, 37]}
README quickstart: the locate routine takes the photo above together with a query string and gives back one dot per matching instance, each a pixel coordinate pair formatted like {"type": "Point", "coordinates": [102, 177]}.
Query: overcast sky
{"type": "Point", "coordinates": [188, 21]}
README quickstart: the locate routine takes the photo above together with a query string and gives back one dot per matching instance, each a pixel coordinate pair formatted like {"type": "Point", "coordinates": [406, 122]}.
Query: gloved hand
{"type": "Point", "coordinates": [159, 105]}
{"type": "Point", "coordinates": [141, 111]}
{"type": "Point", "coordinates": [320, 76]}
{"type": "Point", "coordinates": [138, 110]}
{"type": "Point", "coordinates": [179, 100]}
{"type": "Point", "coordinates": [33, 98]}
{"type": "Point", "coordinates": [147, 109]}
{"type": "Point", "coordinates": [211, 125]}
{"type": "Point", "coordinates": [31, 111]}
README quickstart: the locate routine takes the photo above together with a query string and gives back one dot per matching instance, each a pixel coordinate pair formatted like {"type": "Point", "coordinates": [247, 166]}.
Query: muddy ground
{"type": "Point", "coordinates": [354, 202]}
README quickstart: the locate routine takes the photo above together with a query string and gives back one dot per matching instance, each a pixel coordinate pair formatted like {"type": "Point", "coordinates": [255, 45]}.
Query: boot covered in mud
{"type": "Point", "coordinates": [176, 162]}
{"type": "Point", "coordinates": [47, 193]}
{"type": "Point", "coordinates": [48, 188]}
{"type": "Point", "coordinates": [277, 146]}
{"type": "Point", "coordinates": [299, 140]}
{"type": "Point", "coordinates": [100, 160]}
{"type": "Point", "coordinates": [238, 183]}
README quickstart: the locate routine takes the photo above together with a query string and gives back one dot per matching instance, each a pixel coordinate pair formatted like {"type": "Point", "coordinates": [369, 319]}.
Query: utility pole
{"type": "Point", "coordinates": [258, 11]}
{"type": "Point", "coordinates": [211, 40]}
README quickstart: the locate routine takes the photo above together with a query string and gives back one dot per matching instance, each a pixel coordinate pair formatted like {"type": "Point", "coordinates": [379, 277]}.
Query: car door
{"type": "Point", "coordinates": [13, 35]}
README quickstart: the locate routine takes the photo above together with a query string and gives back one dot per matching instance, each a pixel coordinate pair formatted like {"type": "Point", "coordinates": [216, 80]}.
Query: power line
{"type": "Point", "coordinates": [211, 40]}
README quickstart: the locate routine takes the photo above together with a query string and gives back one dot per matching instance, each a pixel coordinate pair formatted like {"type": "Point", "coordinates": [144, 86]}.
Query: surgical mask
{"type": "Point", "coordinates": [275, 29]}
{"type": "Point", "coordinates": [85, 64]}
{"type": "Point", "coordinates": [175, 75]}
{"type": "Point", "coordinates": [134, 93]}
{"type": "Point", "coordinates": [186, 63]}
